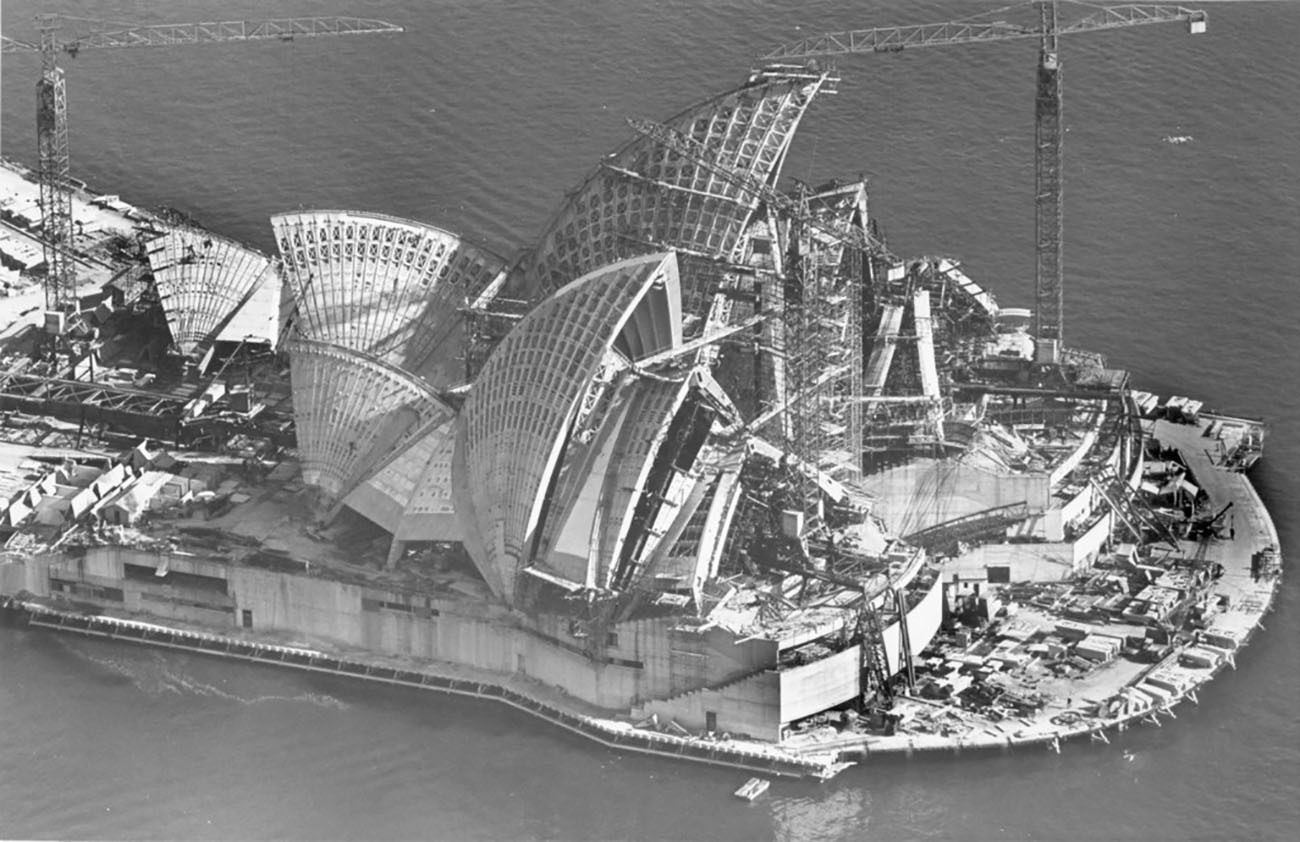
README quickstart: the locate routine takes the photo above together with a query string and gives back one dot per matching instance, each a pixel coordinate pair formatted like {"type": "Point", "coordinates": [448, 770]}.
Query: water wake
{"type": "Point", "coordinates": [158, 673]}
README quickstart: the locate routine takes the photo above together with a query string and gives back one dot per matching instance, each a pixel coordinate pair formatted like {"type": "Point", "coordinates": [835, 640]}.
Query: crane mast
{"type": "Point", "coordinates": [1049, 284]}
{"type": "Point", "coordinates": [54, 172]}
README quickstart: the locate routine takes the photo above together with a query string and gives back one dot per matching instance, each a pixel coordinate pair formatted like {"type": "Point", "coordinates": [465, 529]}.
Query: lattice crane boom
{"type": "Point", "coordinates": [215, 32]}
{"type": "Point", "coordinates": [892, 39]}
{"type": "Point", "coordinates": [1048, 274]}
{"type": "Point", "coordinates": [52, 110]}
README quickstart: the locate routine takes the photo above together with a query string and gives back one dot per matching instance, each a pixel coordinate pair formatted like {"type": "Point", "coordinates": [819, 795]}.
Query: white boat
{"type": "Point", "coordinates": [753, 788]}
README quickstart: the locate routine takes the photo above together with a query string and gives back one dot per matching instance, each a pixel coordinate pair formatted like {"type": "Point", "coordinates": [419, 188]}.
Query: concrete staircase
{"type": "Point", "coordinates": [640, 710]}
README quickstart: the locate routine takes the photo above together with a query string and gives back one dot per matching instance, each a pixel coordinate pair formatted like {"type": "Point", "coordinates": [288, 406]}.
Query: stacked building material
{"type": "Point", "coordinates": [1099, 647]}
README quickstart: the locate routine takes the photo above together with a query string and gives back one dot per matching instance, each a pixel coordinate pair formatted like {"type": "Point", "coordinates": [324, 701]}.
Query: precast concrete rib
{"type": "Point", "coordinates": [386, 287]}
{"type": "Point", "coordinates": [925, 344]}
{"type": "Point", "coordinates": [882, 350]}
{"type": "Point", "coordinates": [646, 196]}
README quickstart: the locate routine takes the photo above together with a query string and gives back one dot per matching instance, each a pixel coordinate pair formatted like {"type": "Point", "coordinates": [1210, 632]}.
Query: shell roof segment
{"type": "Point", "coordinates": [203, 281]}
{"type": "Point", "coordinates": [592, 507]}
{"type": "Point", "coordinates": [645, 197]}
{"type": "Point", "coordinates": [409, 493]}
{"type": "Point", "coordinates": [540, 386]}
{"type": "Point", "coordinates": [383, 286]}
{"type": "Point", "coordinates": [352, 412]}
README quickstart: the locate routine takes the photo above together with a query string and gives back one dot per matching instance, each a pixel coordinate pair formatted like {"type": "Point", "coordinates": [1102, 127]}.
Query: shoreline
{"type": "Point", "coordinates": [509, 690]}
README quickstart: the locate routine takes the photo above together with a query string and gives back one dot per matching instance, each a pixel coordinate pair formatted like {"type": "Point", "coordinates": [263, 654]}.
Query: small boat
{"type": "Point", "coordinates": [753, 788]}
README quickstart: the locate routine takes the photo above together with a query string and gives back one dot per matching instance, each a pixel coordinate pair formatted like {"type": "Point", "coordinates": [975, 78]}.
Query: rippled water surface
{"type": "Point", "coordinates": [1181, 266]}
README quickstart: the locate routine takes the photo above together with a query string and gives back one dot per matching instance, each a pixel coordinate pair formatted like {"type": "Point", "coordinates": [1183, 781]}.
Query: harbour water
{"type": "Point", "coordinates": [1181, 266]}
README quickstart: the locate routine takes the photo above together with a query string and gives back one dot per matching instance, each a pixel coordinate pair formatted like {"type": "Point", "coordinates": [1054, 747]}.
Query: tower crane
{"type": "Point", "coordinates": [1048, 277]}
{"type": "Point", "coordinates": [52, 112]}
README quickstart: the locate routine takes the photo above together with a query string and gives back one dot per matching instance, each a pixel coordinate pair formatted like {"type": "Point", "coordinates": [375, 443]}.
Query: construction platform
{"type": "Point", "coordinates": [1246, 565]}
{"type": "Point", "coordinates": [1242, 569]}
{"type": "Point", "coordinates": [752, 491]}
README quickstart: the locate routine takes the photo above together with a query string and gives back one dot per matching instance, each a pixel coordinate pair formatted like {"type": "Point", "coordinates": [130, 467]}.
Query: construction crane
{"type": "Point", "coordinates": [1048, 277]}
{"type": "Point", "coordinates": [52, 113]}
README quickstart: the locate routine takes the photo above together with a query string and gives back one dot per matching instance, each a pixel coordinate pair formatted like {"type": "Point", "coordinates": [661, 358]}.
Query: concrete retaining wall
{"type": "Point", "coordinates": [923, 621]}
{"type": "Point", "coordinates": [814, 687]}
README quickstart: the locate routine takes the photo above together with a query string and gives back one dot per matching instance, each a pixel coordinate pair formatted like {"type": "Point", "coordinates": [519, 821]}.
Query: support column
{"type": "Point", "coordinates": [395, 551]}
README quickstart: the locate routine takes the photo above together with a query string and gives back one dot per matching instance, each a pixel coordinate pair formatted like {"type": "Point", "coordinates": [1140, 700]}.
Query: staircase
{"type": "Point", "coordinates": [639, 710]}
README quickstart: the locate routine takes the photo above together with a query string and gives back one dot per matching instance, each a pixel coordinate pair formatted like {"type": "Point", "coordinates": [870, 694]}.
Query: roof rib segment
{"type": "Point", "coordinates": [646, 198]}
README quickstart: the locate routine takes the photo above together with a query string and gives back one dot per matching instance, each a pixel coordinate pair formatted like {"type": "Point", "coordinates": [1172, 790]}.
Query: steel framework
{"type": "Point", "coordinates": [822, 247]}
{"type": "Point", "coordinates": [161, 416]}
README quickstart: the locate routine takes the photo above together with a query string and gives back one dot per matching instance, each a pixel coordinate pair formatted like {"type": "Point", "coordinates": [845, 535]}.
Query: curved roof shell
{"type": "Point", "coordinates": [409, 493]}
{"type": "Point", "coordinates": [386, 287]}
{"type": "Point", "coordinates": [646, 197]}
{"type": "Point", "coordinates": [603, 477]}
{"type": "Point", "coordinates": [203, 281]}
{"type": "Point", "coordinates": [543, 386]}
{"type": "Point", "coordinates": [353, 412]}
